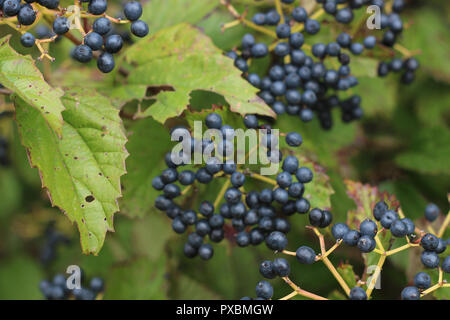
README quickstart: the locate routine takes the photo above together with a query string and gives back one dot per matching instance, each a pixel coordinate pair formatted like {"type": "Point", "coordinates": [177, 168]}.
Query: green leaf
{"type": "Point", "coordinates": [319, 190]}
{"type": "Point", "coordinates": [19, 279]}
{"type": "Point", "coordinates": [147, 145]}
{"type": "Point", "coordinates": [373, 102]}
{"type": "Point", "coordinates": [120, 95]}
{"type": "Point", "coordinates": [429, 34]}
{"type": "Point", "coordinates": [347, 273]}
{"type": "Point", "coordinates": [141, 279]}
{"type": "Point", "coordinates": [161, 14]}
{"type": "Point", "coordinates": [429, 152]}
{"type": "Point", "coordinates": [82, 169]}
{"type": "Point", "coordinates": [186, 288]}
{"type": "Point", "coordinates": [364, 67]}
{"type": "Point", "coordinates": [196, 64]}
{"type": "Point", "coordinates": [19, 74]}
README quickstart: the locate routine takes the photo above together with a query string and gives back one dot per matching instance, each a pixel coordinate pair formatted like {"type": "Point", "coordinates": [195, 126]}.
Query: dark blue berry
{"type": "Point", "coordinates": [132, 10]}
{"type": "Point", "coordinates": [422, 280]}
{"type": "Point", "coordinates": [276, 241]}
{"type": "Point", "coordinates": [305, 255]}
{"type": "Point", "coordinates": [264, 290]}
{"type": "Point", "coordinates": [410, 293]}
{"type": "Point", "coordinates": [357, 293]}
{"type": "Point", "coordinates": [139, 28]}
{"type": "Point", "coordinates": [105, 62]}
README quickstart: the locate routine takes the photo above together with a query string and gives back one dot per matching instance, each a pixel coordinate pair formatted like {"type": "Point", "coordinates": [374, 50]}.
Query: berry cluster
{"type": "Point", "coordinates": [4, 160]}
{"type": "Point", "coordinates": [364, 239]}
{"type": "Point", "coordinates": [256, 216]}
{"type": "Point", "coordinates": [301, 79]}
{"type": "Point", "coordinates": [53, 239]}
{"type": "Point", "coordinates": [57, 289]}
{"type": "Point", "coordinates": [101, 38]}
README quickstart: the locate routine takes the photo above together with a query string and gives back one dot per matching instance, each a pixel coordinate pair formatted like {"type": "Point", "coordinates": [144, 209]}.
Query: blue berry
{"type": "Point", "coordinates": [422, 280]}
{"type": "Point", "coordinates": [82, 53]}
{"type": "Point", "coordinates": [441, 246]}
{"type": "Point", "coordinates": [356, 48]}
{"type": "Point", "coordinates": [429, 242]}
{"type": "Point", "coordinates": [344, 15]}
{"type": "Point", "coordinates": [446, 265]}
{"type": "Point", "coordinates": [339, 230]}
{"type": "Point", "coordinates": [368, 228]}
{"type": "Point", "coordinates": [290, 164]}
{"type": "Point", "coordinates": [366, 244]}
{"type": "Point", "coordinates": [132, 10]}
{"type": "Point", "coordinates": [351, 238]}
{"type": "Point", "coordinates": [105, 62]}
{"type": "Point", "coordinates": [358, 293]}
{"type": "Point", "coordinates": [251, 121]}
{"type": "Point", "coordinates": [299, 14]}
{"type": "Point", "coordinates": [186, 177]}
{"type": "Point", "coordinates": [302, 205]}
{"type": "Point", "coordinates": [189, 217]}
{"type": "Point", "coordinates": [431, 212]}
{"type": "Point", "coordinates": [259, 19]}
{"type": "Point", "coordinates": [272, 18]}
{"type": "Point", "coordinates": [266, 269]}
{"type": "Point", "coordinates": [399, 229]}
{"type": "Point", "coordinates": [410, 227]}
{"type": "Point", "coordinates": [243, 239]}
{"type": "Point", "coordinates": [232, 195]}
{"type": "Point", "coordinates": [387, 219]}
{"type": "Point", "coordinates": [27, 40]}
{"type": "Point", "coordinates": [216, 221]}
{"type": "Point", "coordinates": [259, 50]}
{"type": "Point", "coordinates": [305, 255]}
{"type": "Point", "coordinates": [370, 42]}
{"type": "Point", "coordinates": [27, 15]}
{"type": "Point", "coordinates": [312, 26]}
{"type": "Point", "coordinates": [410, 293]}
{"type": "Point", "coordinates": [283, 31]}
{"type": "Point", "coordinates": [430, 259]}
{"type": "Point", "coordinates": [264, 290]}
{"type": "Point", "coordinates": [281, 267]}
{"type": "Point", "coordinates": [248, 41]}
{"type": "Point", "coordinates": [344, 40]}
{"type": "Point", "coordinates": [296, 40]}
{"type": "Point", "coordinates": [304, 175]}
{"type": "Point", "coordinates": [162, 203]}
{"type": "Point", "coordinates": [11, 7]}
{"type": "Point", "coordinates": [139, 28]}
{"type": "Point", "coordinates": [256, 236]}
{"type": "Point", "coordinates": [213, 121]}
{"type": "Point", "coordinates": [93, 40]}
{"type": "Point", "coordinates": [379, 210]}
{"type": "Point", "coordinates": [276, 241]}
{"type": "Point", "coordinates": [206, 251]}
{"type": "Point", "coordinates": [206, 208]}
{"type": "Point", "coordinates": [113, 43]}
{"type": "Point", "coordinates": [251, 217]}
{"type": "Point", "coordinates": [178, 226]}
{"type": "Point", "coordinates": [195, 240]}
{"type": "Point", "coordinates": [237, 179]}
{"type": "Point", "coordinates": [189, 250]}
{"type": "Point", "coordinates": [282, 49]}
{"type": "Point", "coordinates": [97, 7]}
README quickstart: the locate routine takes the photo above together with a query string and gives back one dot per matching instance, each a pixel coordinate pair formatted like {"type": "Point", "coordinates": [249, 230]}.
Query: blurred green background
{"type": "Point", "coordinates": [401, 145]}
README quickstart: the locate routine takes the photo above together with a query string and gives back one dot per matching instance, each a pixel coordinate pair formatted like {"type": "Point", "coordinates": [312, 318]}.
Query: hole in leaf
{"type": "Point", "coordinates": [89, 198]}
